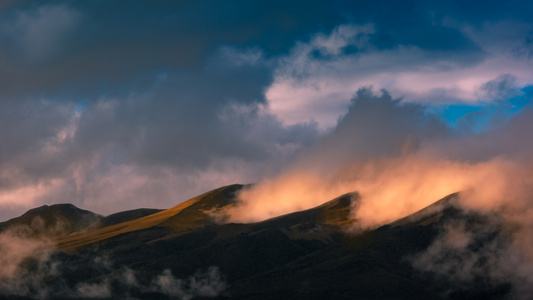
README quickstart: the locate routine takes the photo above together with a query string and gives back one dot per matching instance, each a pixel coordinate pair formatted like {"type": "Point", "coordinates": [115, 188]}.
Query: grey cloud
{"type": "Point", "coordinates": [118, 45]}
{"type": "Point", "coordinates": [376, 126]}
{"type": "Point", "coordinates": [31, 134]}
{"type": "Point", "coordinates": [501, 88]}
{"type": "Point", "coordinates": [185, 121]}
{"type": "Point", "coordinates": [508, 138]}
{"type": "Point", "coordinates": [185, 126]}
{"type": "Point", "coordinates": [42, 32]}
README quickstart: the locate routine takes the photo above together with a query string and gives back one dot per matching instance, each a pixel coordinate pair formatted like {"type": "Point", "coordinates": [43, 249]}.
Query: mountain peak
{"type": "Point", "coordinates": [51, 220]}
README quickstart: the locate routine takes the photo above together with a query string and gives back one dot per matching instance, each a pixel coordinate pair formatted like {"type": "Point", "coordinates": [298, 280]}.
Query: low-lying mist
{"type": "Point", "coordinates": [32, 267]}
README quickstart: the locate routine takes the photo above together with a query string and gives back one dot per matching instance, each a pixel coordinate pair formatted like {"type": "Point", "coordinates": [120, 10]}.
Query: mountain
{"type": "Point", "coordinates": [377, 264]}
{"type": "Point", "coordinates": [185, 252]}
{"type": "Point", "coordinates": [53, 220]}
{"type": "Point", "coordinates": [189, 215]}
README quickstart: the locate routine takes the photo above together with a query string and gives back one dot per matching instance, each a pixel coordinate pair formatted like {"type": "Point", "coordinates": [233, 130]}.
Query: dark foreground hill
{"type": "Point", "coordinates": [184, 253]}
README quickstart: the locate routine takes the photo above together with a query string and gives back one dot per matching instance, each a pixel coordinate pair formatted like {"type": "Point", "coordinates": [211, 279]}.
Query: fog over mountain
{"type": "Point", "coordinates": [447, 250]}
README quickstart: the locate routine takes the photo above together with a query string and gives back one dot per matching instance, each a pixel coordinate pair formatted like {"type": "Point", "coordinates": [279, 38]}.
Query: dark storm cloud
{"type": "Point", "coordinates": [178, 124]}
{"type": "Point", "coordinates": [66, 45]}
{"type": "Point", "coordinates": [80, 46]}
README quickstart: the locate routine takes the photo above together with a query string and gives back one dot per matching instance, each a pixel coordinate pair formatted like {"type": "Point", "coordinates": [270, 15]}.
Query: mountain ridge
{"type": "Point", "coordinates": [164, 218]}
{"type": "Point", "coordinates": [310, 254]}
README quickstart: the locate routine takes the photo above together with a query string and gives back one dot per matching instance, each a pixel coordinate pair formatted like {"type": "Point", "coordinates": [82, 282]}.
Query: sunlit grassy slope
{"type": "Point", "coordinates": [183, 217]}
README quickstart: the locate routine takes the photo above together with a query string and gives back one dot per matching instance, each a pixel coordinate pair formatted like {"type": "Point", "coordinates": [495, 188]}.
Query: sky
{"type": "Point", "coordinates": [116, 105]}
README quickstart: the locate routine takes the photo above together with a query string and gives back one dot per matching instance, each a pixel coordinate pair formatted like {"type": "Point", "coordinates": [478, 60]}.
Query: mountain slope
{"type": "Point", "coordinates": [379, 263]}
{"type": "Point", "coordinates": [183, 217]}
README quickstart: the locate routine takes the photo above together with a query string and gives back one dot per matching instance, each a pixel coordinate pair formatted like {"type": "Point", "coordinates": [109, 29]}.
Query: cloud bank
{"type": "Point", "coordinates": [399, 158]}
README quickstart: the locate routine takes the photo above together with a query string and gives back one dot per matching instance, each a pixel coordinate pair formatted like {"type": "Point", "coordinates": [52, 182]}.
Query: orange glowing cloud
{"type": "Point", "coordinates": [367, 154]}
{"type": "Point", "coordinates": [389, 189]}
